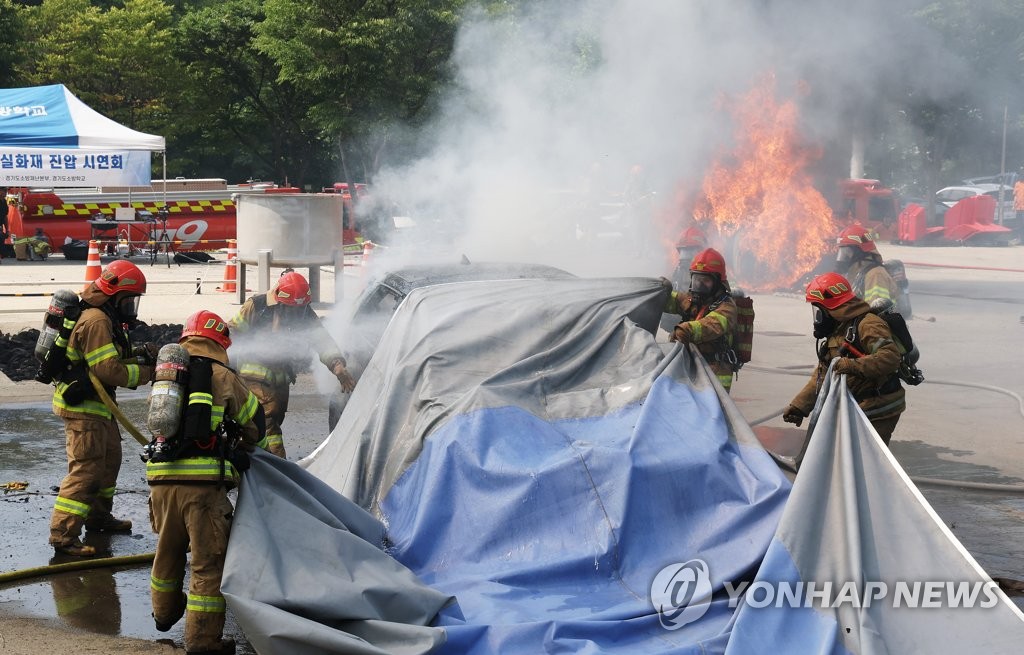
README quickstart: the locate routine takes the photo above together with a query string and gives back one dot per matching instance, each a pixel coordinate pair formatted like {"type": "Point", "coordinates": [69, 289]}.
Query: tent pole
{"type": "Point", "coordinates": [163, 153]}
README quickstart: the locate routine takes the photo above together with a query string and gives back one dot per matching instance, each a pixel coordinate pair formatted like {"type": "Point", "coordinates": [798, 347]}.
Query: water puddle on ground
{"type": "Point", "coordinates": [112, 601]}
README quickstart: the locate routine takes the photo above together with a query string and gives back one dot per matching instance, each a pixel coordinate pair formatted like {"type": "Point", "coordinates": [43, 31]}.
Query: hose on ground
{"type": "Point", "coordinates": [115, 410]}
{"type": "Point", "coordinates": [77, 565]}
{"type": "Point", "coordinates": [926, 481]}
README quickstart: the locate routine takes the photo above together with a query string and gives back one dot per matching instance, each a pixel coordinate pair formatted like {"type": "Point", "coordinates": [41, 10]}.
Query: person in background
{"type": "Point", "coordinates": [690, 242]}
{"type": "Point", "coordinates": [189, 505]}
{"type": "Point", "coordinates": [709, 315]}
{"type": "Point", "coordinates": [274, 333]}
{"type": "Point", "coordinates": [863, 347]}
{"type": "Point", "coordinates": [99, 345]}
{"type": "Point", "coordinates": [1018, 203]}
{"type": "Point", "coordinates": [860, 262]}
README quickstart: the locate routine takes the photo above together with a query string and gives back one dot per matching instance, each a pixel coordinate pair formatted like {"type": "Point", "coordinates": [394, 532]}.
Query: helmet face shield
{"type": "Point", "coordinates": [128, 306]}
{"type": "Point", "coordinates": [686, 253]}
{"type": "Point", "coordinates": [702, 283]}
{"type": "Point", "coordinates": [822, 321]}
{"type": "Point", "coordinates": [845, 258]}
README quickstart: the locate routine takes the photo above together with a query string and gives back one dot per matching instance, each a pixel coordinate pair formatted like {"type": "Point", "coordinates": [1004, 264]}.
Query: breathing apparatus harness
{"type": "Point", "coordinates": [194, 438]}
{"type": "Point", "coordinates": [725, 353]}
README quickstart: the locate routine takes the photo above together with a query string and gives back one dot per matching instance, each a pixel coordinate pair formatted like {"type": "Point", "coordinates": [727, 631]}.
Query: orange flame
{"type": "Point", "coordinates": [764, 197]}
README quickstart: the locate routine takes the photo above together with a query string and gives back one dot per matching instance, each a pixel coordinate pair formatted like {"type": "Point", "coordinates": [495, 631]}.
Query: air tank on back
{"type": "Point", "coordinates": [62, 301]}
{"type": "Point", "coordinates": [170, 381]}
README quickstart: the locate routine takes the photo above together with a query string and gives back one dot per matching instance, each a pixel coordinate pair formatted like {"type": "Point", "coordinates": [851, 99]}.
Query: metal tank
{"type": "Point", "coordinates": [288, 230]}
{"type": "Point", "coordinates": [299, 228]}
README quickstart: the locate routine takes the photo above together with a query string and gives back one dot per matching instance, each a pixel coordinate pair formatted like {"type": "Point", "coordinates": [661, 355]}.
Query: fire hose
{"type": "Point", "coordinates": [115, 410]}
{"type": "Point", "coordinates": [934, 482]}
{"type": "Point", "coordinates": [78, 565]}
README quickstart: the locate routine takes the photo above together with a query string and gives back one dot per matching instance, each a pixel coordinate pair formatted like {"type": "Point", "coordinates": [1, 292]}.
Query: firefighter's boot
{"type": "Point", "coordinates": [227, 647]}
{"type": "Point", "coordinates": [75, 548]}
{"type": "Point", "coordinates": [109, 524]}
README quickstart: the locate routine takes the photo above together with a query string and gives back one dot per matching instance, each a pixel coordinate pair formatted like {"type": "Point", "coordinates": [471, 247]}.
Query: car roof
{"type": "Point", "coordinates": [977, 188]}
{"type": "Point", "coordinates": [407, 278]}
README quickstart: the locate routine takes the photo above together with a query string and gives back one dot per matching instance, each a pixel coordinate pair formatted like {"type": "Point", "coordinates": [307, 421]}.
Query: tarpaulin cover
{"type": "Point", "coordinates": [530, 462]}
{"type": "Point", "coordinates": [48, 137]}
{"type": "Point", "coordinates": [855, 516]}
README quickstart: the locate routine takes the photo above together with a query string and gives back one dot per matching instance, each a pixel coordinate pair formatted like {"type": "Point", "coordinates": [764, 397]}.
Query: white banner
{"type": "Point", "coordinates": [34, 167]}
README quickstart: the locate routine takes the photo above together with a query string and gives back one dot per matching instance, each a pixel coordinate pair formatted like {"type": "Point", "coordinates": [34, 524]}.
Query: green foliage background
{"type": "Point", "coordinates": [310, 92]}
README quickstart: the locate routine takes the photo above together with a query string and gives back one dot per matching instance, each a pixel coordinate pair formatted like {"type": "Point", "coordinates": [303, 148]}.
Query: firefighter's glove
{"type": "Point", "coordinates": [794, 415]}
{"type": "Point", "coordinates": [682, 333]}
{"type": "Point", "coordinates": [344, 377]}
{"type": "Point", "coordinates": [844, 365]}
{"type": "Point", "coordinates": [665, 283]}
{"type": "Point", "coordinates": [146, 353]}
{"type": "Point", "coordinates": [240, 460]}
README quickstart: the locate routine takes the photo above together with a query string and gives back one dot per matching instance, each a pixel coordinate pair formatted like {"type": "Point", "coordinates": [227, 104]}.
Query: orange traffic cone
{"type": "Point", "coordinates": [93, 267]}
{"type": "Point", "coordinates": [230, 269]}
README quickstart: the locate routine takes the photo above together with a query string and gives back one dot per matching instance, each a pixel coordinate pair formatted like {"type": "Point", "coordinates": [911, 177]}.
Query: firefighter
{"type": "Point", "coordinates": [189, 505]}
{"type": "Point", "coordinates": [845, 328]}
{"type": "Point", "coordinates": [99, 344]}
{"type": "Point", "coordinates": [279, 327]}
{"type": "Point", "coordinates": [690, 242]}
{"type": "Point", "coordinates": [709, 314]}
{"type": "Point", "coordinates": [860, 262]}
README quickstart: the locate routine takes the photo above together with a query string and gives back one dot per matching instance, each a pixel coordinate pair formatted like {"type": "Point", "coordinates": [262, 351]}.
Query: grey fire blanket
{"type": "Point", "coordinates": [524, 470]}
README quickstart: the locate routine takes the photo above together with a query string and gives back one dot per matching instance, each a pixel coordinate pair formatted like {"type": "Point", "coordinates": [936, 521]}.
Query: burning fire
{"type": "Point", "coordinates": [762, 196]}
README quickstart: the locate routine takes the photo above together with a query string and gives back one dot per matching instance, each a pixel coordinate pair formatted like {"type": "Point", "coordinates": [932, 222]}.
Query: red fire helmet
{"type": "Point", "coordinates": [292, 289]}
{"type": "Point", "coordinates": [858, 236]}
{"type": "Point", "coordinates": [121, 275]}
{"type": "Point", "coordinates": [829, 290]}
{"type": "Point", "coordinates": [205, 323]}
{"type": "Point", "coordinates": [691, 237]}
{"type": "Point", "coordinates": [709, 260]}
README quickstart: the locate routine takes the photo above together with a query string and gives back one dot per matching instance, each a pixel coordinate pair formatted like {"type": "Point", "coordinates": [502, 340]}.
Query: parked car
{"type": "Point", "coordinates": [378, 302]}
{"type": "Point", "coordinates": [951, 195]}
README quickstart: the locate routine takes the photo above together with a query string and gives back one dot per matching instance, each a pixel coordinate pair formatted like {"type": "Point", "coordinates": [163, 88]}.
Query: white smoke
{"type": "Point", "coordinates": [554, 105]}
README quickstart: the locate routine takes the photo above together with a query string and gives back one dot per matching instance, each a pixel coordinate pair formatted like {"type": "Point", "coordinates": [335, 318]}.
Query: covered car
{"type": "Point", "coordinates": [379, 300]}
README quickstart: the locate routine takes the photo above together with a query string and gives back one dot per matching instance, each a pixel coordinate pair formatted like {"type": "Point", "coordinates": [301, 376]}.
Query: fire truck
{"type": "Point", "coordinates": [870, 203]}
{"type": "Point", "coordinates": [190, 214]}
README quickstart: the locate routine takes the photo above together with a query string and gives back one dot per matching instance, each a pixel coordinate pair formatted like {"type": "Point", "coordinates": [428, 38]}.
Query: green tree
{"type": "Point", "coordinates": [234, 97]}
{"type": "Point", "coordinates": [364, 64]}
{"type": "Point", "coordinates": [954, 105]}
{"type": "Point", "coordinates": [10, 53]}
{"type": "Point", "coordinates": [117, 61]}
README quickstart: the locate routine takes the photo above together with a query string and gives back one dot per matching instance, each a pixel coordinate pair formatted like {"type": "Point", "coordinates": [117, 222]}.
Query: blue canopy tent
{"type": "Point", "coordinates": [48, 137]}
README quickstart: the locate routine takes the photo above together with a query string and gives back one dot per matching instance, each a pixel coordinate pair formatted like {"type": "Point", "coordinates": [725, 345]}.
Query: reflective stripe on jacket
{"type": "Point", "coordinates": [92, 344]}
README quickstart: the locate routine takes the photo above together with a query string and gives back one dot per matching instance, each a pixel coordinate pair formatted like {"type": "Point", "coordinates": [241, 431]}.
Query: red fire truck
{"type": "Point", "coordinates": [191, 214]}
{"type": "Point", "coordinates": [871, 204]}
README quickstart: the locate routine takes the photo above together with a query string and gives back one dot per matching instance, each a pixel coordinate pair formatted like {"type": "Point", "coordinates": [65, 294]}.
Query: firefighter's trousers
{"type": "Point", "coordinates": [885, 426]}
{"type": "Point", "coordinates": [86, 493]}
{"type": "Point", "coordinates": [200, 515]}
{"type": "Point", "coordinates": [274, 399]}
